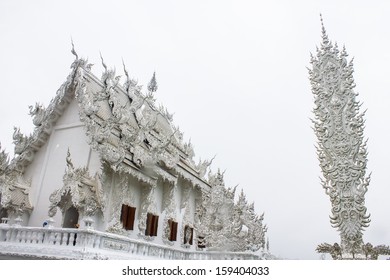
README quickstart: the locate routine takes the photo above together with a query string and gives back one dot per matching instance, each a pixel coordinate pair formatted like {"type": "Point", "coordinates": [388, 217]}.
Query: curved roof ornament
{"type": "Point", "coordinates": [125, 70]}
{"type": "Point", "coordinates": [73, 50]}
{"type": "Point", "coordinates": [127, 84]}
{"type": "Point", "coordinates": [104, 65]}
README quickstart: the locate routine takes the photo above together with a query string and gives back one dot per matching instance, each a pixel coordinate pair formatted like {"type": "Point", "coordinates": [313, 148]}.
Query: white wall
{"type": "Point", "coordinates": [49, 164]}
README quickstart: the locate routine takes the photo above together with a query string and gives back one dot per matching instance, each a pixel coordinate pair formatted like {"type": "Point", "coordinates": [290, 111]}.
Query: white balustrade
{"type": "Point", "coordinates": [71, 243]}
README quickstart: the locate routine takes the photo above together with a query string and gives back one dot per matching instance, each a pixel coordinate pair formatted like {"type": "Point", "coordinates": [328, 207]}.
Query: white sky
{"type": "Point", "coordinates": [234, 73]}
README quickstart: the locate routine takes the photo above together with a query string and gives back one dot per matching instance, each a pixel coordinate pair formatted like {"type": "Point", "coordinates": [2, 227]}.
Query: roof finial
{"type": "Point", "coordinates": [124, 69]}
{"type": "Point", "coordinates": [322, 22]}
{"type": "Point", "coordinates": [104, 65]}
{"type": "Point", "coordinates": [325, 39]}
{"type": "Point", "coordinates": [152, 86]}
{"type": "Point", "coordinates": [73, 50]}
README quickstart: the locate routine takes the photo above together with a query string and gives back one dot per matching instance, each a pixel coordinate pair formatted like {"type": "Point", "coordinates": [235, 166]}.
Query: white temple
{"type": "Point", "coordinates": [106, 175]}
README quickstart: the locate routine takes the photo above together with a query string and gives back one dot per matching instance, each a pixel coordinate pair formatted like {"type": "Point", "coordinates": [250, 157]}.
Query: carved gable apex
{"type": "Point", "coordinates": [44, 120]}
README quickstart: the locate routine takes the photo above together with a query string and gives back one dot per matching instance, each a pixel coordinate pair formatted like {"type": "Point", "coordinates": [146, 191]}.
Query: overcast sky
{"type": "Point", "coordinates": [234, 73]}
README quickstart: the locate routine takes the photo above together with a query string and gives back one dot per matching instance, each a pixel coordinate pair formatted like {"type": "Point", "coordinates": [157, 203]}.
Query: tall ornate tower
{"type": "Point", "coordinates": [341, 150]}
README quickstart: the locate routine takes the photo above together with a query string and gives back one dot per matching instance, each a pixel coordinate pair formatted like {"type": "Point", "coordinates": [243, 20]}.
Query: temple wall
{"type": "Point", "coordinates": [49, 164]}
{"type": "Point", "coordinates": [122, 188]}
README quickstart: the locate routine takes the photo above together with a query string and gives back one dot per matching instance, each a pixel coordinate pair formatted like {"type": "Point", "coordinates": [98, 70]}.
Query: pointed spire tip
{"type": "Point", "coordinates": [124, 69]}
{"type": "Point", "coordinates": [152, 86]}
{"type": "Point", "coordinates": [322, 25]}
{"type": "Point", "coordinates": [104, 65]}
{"type": "Point", "coordinates": [73, 50]}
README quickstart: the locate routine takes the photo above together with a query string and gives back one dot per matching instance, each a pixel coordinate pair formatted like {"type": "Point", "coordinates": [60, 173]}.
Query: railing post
{"type": "Point", "coordinates": [22, 237]}
{"type": "Point", "coordinates": [50, 223]}
{"type": "Point", "coordinates": [34, 237]}
{"type": "Point", "coordinates": [57, 238]}
{"type": "Point", "coordinates": [16, 234]}
{"type": "Point", "coordinates": [80, 238]}
{"type": "Point", "coordinates": [46, 236]}
{"type": "Point", "coordinates": [72, 240]}
{"type": "Point", "coordinates": [40, 237]}
{"type": "Point", "coordinates": [89, 239]}
{"type": "Point", "coordinates": [28, 236]}
{"type": "Point", "coordinates": [52, 238]}
{"type": "Point", "coordinates": [97, 241]}
{"type": "Point", "coordinates": [18, 221]}
{"type": "Point", "coordinates": [64, 240]}
{"type": "Point", "coordinates": [8, 234]}
{"type": "Point", "coordinates": [4, 228]}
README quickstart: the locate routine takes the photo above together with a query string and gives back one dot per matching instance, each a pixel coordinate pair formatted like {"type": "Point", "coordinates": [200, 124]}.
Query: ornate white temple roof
{"type": "Point", "coordinates": [123, 124]}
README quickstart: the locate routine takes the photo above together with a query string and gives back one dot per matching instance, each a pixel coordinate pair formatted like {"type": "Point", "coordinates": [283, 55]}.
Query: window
{"type": "Point", "coordinates": [188, 233]}
{"type": "Point", "coordinates": [127, 217]}
{"type": "Point", "coordinates": [172, 230]}
{"type": "Point", "coordinates": [151, 225]}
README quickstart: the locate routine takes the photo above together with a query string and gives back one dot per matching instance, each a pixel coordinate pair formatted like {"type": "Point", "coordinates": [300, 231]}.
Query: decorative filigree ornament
{"type": "Point", "coordinates": [341, 149]}
{"type": "Point", "coordinates": [4, 162]}
{"type": "Point", "coordinates": [80, 190]}
{"type": "Point", "coordinates": [224, 225]}
{"type": "Point", "coordinates": [169, 210]}
{"type": "Point", "coordinates": [38, 114]}
{"type": "Point", "coordinates": [122, 122]}
{"type": "Point", "coordinates": [202, 166]}
{"type": "Point", "coordinates": [20, 141]}
{"type": "Point", "coordinates": [148, 205]}
{"type": "Point", "coordinates": [15, 192]}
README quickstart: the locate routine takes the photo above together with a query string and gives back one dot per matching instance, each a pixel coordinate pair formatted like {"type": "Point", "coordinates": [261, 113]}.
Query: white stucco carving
{"type": "Point", "coordinates": [38, 114]}
{"type": "Point", "coordinates": [223, 224]}
{"type": "Point", "coordinates": [341, 149]}
{"type": "Point", "coordinates": [80, 190]}
{"type": "Point", "coordinates": [169, 210]}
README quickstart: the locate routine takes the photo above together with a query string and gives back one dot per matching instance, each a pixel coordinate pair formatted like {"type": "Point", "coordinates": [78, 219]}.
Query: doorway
{"type": "Point", "coordinates": [71, 218]}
